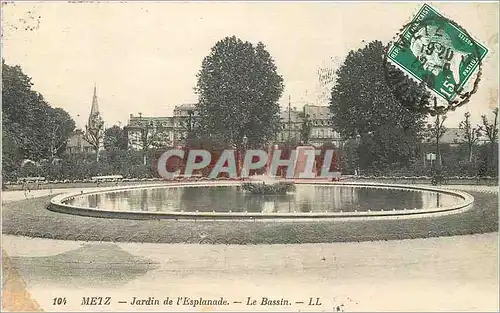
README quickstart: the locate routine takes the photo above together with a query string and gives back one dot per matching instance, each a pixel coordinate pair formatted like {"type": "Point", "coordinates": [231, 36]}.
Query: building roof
{"type": "Point", "coordinates": [182, 110]}
{"type": "Point", "coordinates": [294, 116]}
{"type": "Point", "coordinates": [166, 121]}
{"type": "Point", "coordinates": [151, 118]}
{"type": "Point", "coordinates": [317, 111]}
{"type": "Point", "coordinates": [76, 140]}
{"type": "Point", "coordinates": [186, 106]}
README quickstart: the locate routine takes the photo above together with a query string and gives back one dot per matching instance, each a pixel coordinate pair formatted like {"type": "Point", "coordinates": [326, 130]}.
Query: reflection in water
{"type": "Point", "coordinates": [306, 198]}
{"type": "Point", "coordinates": [434, 199]}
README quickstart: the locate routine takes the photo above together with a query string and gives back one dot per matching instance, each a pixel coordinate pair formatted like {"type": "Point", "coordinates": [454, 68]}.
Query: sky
{"type": "Point", "coordinates": [144, 56]}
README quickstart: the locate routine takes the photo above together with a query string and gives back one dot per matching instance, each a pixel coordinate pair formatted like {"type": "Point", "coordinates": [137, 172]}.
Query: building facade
{"type": "Point", "coordinates": [160, 131]}
{"type": "Point", "coordinates": [321, 126]}
{"type": "Point", "coordinates": [173, 130]}
{"type": "Point", "coordinates": [322, 131]}
{"type": "Point", "coordinates": [77, 144]}
{"type": "Point", "coordinates": [291, 123]}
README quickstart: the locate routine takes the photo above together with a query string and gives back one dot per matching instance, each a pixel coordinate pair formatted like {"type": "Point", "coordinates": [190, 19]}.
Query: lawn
{"type": "Point", "coordinates": [31, 218]}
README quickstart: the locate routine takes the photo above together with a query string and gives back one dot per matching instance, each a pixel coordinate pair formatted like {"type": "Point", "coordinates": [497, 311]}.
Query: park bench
{"type": "Point", "coordinates": [107, 178]}
{"type": "Point", "coordinates": [38, 179]}
{"type": "Point", "coordinates": [191, 177]}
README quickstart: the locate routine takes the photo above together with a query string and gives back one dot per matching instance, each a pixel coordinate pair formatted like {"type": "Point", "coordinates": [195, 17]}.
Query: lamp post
{"type": "Point", "coordinates": [141, 131]}
{"type": "Point", "coordinates": [245, 142]}
{"type": "Point", "coordinates": [189, 128]}
{"type": "Point", "coordinates": [243, 152]}
{"type": "Point", "coordinates": [358, 140]}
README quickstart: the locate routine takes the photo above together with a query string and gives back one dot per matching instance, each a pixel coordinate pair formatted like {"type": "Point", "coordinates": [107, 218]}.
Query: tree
{"type": "Point", "coordinates": [435, 132]}
{"type": "Point", "coordinates": [115, 139]}
{"type": "Point", "coordinates": [24, 113]}
{"type": "Point", "coordinates": [327, 76]}
{"type": "Point", "coordinates": [305, 127]}
{"type": "Point", "coordinates": [490, 128]}
{"type": "Point", "coordinates": [61, 128]}
{"type": "Point", "coordinates": [31, 128]}
{"type": "Point", "coordinates": [470, 134]}
{"type": "Point", "coordinates": [188, 126]}
{"type": "Point", "coordinates": [491, 131]}
{"type": "Point", "coordinates": [10, 155]}
{"type": "Point", "coordinates": [151, 135]}
{"type": "Point", "coordinates": [93, 135]}
{"type": "Point", "coordinates": [363, 106]}
{"type": "Point", "coordinates": [238, 91]}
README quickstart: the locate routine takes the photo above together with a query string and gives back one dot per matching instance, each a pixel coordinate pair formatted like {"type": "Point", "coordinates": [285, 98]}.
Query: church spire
{"type": "Point", "coordinates": [95, 106]}
{"type": "Point", "coordinates": [95, 117]}
{"type": "Point", "coordinates": [94, 129]}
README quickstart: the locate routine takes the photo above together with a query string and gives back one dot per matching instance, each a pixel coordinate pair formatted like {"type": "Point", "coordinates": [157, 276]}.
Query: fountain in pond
{"type": "Point", "coordinates": [265, 185]}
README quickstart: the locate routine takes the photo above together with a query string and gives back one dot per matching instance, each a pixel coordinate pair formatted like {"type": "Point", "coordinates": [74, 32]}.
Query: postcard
{"type": "Point", "coordinates": [294, 156]}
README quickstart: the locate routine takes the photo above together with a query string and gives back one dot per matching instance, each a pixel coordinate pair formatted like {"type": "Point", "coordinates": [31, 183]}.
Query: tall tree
{"type": "Point", "coordinates": [115, 139]}
{"type": "Point", "coordinates": [10, 155]}
{"type": "Point", "coordinates": [94, 136]}
{"type": "Point", "coordinates": [60, 129]}
{"type": "Point", "coordinates": [470, 134]}
{"type": "Point", "coordinates": [34, 129]}
{"type": "Point", "coordinates": [188, 126]}
{"type": "Point", "coordinates": [327, 75]}
{"type": "Point", "coordinates": [490, 128]}
{"type": "Point", "coordinates": [363, 106]}
{"type": "Point", "coordinates": [24, 113]}
{"type": "Point", "coordinates": [305, 127]}
{"type": "Point", "coordinates": [151, 135]}
{"type": "Point", "coordinates": [491, 131]}
{"type": "Point", "coordinates": [238, 91]}
{"type": "Point", "coordinates": [435, 132]}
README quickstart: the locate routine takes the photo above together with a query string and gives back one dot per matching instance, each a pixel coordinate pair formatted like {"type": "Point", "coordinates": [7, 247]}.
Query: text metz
{"type": "Point", "coordinates": [96, 300]}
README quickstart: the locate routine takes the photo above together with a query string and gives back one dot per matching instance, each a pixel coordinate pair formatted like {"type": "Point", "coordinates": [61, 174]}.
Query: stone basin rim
{"type": "Point", "coordinates": [57, 204]}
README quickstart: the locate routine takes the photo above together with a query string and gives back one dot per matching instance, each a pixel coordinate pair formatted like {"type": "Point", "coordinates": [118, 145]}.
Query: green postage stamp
{"type": "Point", "coordinates": [436, 50]}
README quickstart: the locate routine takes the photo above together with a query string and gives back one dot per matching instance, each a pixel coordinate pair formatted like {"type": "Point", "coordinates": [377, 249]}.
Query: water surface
{"type": "Point", "coordinates": [306, 198]}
